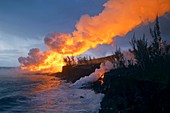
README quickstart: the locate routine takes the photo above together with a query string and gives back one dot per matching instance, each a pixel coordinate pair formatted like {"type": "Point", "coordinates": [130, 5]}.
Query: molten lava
{"type": "Point", "coordinates": [101, 80]}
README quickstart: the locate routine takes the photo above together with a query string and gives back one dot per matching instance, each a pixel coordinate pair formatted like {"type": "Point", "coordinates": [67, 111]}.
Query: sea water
{"type": "Point", "coordinates": [43, 94]}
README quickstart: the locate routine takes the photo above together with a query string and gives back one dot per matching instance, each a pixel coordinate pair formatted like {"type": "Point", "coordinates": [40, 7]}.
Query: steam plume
{"type": "Point", "coordinates": [46, 61]}
{"type": "Point", "coordinates": [104, 67]}
{"type": "Point", "coordinates": [117, 18]}
{"type": "Point", "coordinates": [34, 56]}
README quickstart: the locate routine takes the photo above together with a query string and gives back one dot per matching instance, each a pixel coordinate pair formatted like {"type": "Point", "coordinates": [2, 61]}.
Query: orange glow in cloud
{"type": "Point", "coordinates": [118, 18]}
{"type": "Point", "coordinates": [45, 62]}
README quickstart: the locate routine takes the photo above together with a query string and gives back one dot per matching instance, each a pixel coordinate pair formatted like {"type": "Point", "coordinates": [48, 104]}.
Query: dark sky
{"type": "Point", "coordinates": [24, 24]}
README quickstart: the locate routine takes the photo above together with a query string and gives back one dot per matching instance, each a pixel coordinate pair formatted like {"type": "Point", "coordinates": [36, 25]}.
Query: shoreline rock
{"type": "Point", "coordinates": [126, 89]}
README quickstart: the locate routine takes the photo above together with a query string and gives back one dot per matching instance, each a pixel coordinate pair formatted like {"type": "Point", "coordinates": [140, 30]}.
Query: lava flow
{"type": "Point", "coordinates": [117, 19]}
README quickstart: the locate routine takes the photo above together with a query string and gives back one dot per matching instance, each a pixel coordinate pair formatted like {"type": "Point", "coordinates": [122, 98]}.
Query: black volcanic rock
{"type": "Point", "coordinates": [74, 73]}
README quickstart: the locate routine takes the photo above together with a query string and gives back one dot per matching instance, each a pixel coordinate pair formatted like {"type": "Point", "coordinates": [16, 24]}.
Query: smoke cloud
{"type": "Point", "coordinates": [104, 67]}
{"type": "Point", "coordinates": [45, 61]}
{"type": "Point", "coordinates": [117, 19]}
{"type": "Point", "coordinates": [34, 57]}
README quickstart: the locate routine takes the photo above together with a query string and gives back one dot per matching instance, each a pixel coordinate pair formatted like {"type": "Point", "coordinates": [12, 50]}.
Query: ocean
{"type": "Point", "coordinates": [43, 94]}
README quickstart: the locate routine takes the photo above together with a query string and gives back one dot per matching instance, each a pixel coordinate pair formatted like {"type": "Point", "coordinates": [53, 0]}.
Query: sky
{"type": "Point", "coordinates": [25, 23]}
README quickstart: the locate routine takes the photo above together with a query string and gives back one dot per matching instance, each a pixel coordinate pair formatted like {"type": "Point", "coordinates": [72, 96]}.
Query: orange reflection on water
{"type": "Point", "coordinates": [42, 83]}
{"type": "Point", "coordinates": [41, 92]}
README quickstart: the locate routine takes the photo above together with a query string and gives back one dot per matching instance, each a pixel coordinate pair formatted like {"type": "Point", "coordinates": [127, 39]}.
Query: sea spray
{"type": "Point", "coordinates": [104, 67]}
{"type": "Point", "coordinates": [44, 94]}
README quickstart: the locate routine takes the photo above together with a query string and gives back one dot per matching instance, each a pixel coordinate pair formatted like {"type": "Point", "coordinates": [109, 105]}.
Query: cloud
{"type": "Point", "coordinates": [117, 19]}
{"type": "Point", "coordinates": [12, 47]}
{"type": "Point", "coordinates": [23, 24]}
{"type": "Point", "coordinates": [123, 41]}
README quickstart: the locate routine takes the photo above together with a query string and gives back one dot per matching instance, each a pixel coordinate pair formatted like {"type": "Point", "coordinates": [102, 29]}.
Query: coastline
{"type": "Point", "coordinates": [126, 90]}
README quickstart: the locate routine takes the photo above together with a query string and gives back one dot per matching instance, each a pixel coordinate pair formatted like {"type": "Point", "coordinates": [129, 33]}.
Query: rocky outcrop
{"type": "Point", "coordinates": [74, 73]}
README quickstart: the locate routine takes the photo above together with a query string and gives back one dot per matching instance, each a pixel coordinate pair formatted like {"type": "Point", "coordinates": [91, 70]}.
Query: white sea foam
{"type": "Point", "coordinates": [66, 99]}
{"type": "Point", "coordinates": [104, 67]}
{"type": "Point", "coordinates": [46, 94]}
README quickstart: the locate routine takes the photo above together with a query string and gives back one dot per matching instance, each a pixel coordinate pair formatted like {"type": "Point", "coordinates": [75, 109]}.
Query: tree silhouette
{"type": "Point", "coordinates": [157, 47]}
{"type": "Point", "coordinates": [140, 50]}
{"type": "Point", "coordinates": [119, 58]}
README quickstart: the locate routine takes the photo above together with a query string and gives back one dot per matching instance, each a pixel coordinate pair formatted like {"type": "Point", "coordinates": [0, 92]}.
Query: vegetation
{"type": "Point", "coordinates": [143, 87]}
{"type": "Point", "coordinates": [140, 50]}
{"type": "Point", "coordinates": [140, 87]}
{"type": "Point", "coordinates": [119, 59]}
{"type": "Point", "coordinates": [71, 61]}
